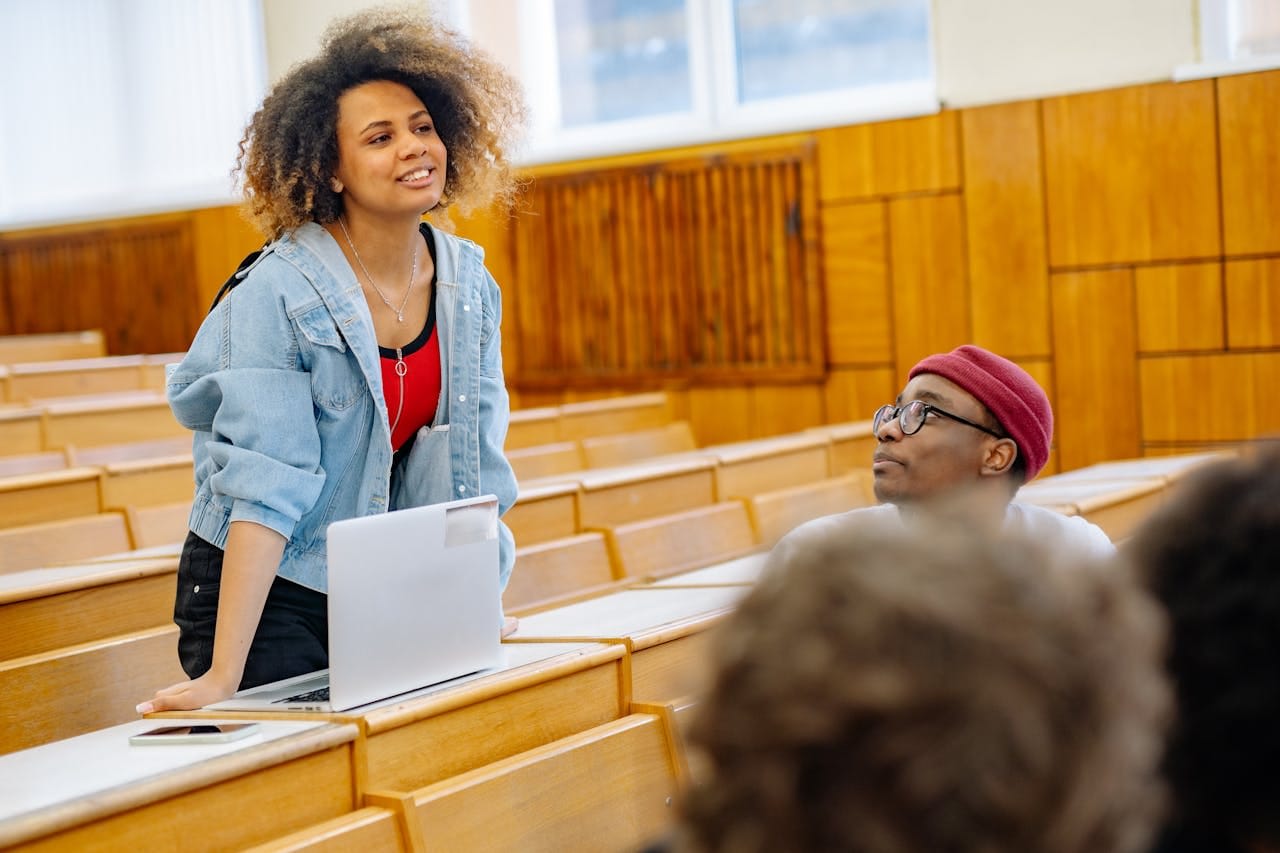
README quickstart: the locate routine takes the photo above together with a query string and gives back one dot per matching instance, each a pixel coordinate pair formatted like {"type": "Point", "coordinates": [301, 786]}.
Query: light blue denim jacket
{"type": "Point", "coordinates": [283, 388]}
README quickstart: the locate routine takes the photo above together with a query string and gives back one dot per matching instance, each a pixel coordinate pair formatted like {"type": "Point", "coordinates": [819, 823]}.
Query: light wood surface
{"type": "Point", "coordinates": [63, 541]}
{"type": "Point", "coordinates": [1253, 303]}
{"type": "Point", "coordinates": [613, 415]}
{"type": "Point", "coordinates": [1218, 397]}
{"type": "Point", "coordinates": [20, 432]}
{"type": "Point", "coordinates": [610, 788]}
{"type": "Point", "coordinates": [368, 829]}
{"type": "Point", "coordinates": [543, 512]}
{"type": "Point", "coordinates": [533, 427]}
{"type": "Point", "coordinates": [47, 347]}
{"type": "Point", "coordinates": [606, 451]}
{"type": "Point", "coordinates": [776, 513]}
{"type": "Point", "coordinates": [751, 467]}
{"type": "Point", "coordinates": [1179, 307]}
{"type": "Point", "coordinates": [859, 320]}
{"type": "Point", "coordinates": [886, 158]}
{"type": "Point", "coordinates": [148, 482]}
{"type": "Point", "coordinates": [50, 496]}
{"type": "Point", "coordinates": [618, 495]}
{"type": "Point", "coordinates": [68, 378]}
{"type": "Point", "coordinates": [32, 463]}
{"type": "Point", "coordinates": [106, 454]}
{"type": "Point", "coordinates": [667, 544]}
{"type": "Point", "coordinates": [159, 525]}
{"type": "Point", "coordinates": [1250, 167]}
{"type": "Point", "coordinates": [735, 572]}
{"type": "Point", "coordinates": [114, 422]}
{"type": "Point", "coordinates": [544, 460]}
{"type": "Point", "coordinates": [548, 570]}
{"type": "Point", "coordinates": [1117, 506]}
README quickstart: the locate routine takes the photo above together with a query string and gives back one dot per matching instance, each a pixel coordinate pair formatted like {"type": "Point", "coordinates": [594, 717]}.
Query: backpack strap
{"type": "Point", "coordinates": [250, 260]}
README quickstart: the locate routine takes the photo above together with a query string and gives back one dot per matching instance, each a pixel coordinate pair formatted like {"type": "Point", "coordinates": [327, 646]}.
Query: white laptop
{"type": "Point", "coordinates": [413, 601]}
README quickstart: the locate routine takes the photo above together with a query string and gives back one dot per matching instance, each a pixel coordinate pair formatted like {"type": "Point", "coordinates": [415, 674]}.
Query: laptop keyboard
{"type": "Point", "coordinates": [321, 695]}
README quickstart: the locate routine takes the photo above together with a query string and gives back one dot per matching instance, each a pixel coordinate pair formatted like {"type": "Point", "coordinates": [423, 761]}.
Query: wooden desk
{"type": "Point", "coordinates": [67, 540]}
{"type": "Point", "coordinates": [53, 495]}
{"type": "Point", "coordinates": [544, 511]}
{"type": "Point", "coordinates": [606, 451]}
{"type": "Point", "coordinates": [16, 349]}
{"type": "Point", "coordinates": [45, 609]}
{"type": "Point", "coordinates": [618, 495]}
{"type": "Point", "coordinates": [73, 377]}
{"type": "Point", "coordinates": [533, 427]}
{"type": "Point", "coordinates": [142, 417]}
{"type": "Point", "coordinates": [667, 544]}
{"type": "Point", "coordinates": [664, 628]}
{"type": "Point", "coordinates": [744, 570]}
{"type": "Point", "coordinates": [545, 460]}
{"type": "Point", "coordinates": [98, 792]}
{"type": "Point", "coordinates": [1168, 469]}
{"type": "Point", "coordinates": [1116, 506]}
{"type": "Point", "coordinates": [612, 415]}
{"type": "Point", "coordinates": [20, 432]}
{"type": "Point", "coordinates": [852, 444]}
{"type": "Point", "coordinates": [747, 468]}
{"type": "Point", "coordinates": [775, 514]}
{"type": "Point", "coordinates": [148, 482]}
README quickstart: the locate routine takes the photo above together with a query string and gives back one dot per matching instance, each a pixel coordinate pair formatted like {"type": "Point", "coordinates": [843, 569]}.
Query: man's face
{"type": "Point", "coordinates": [943, 457]}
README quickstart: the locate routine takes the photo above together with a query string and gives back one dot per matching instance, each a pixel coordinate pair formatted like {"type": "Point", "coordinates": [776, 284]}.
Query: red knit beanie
{"type": "Point", "coordinates": [1008, 392]}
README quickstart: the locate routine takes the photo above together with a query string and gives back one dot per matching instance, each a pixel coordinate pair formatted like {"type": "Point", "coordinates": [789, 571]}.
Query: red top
{"type": "Point", "coordinates": [412, 374]}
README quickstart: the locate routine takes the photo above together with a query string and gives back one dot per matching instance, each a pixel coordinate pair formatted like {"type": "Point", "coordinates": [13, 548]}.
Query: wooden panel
{"type": "Point", "coordinates": [1179, 307]}
{"type": "Point", "coordinates": [1131, 174]}
{"type": "Point", "coordinates": [544, 460]}
{"type": "Point", "coordinates": [161, 524]}
{"type": "Point", "coordinates": [1095, 351]}
{"type": "Point", "coordinates": [533, 427]}
{"type": "Point", "coordinates": [645, 492]}
{"type": "Point", "coordinates": [221, 239]}
{"type": "Point", "coordinates": [859, 321]}
{"type": "Point", "coordinates": [884, 158]}
{"type": "Point", "coordinates": [148, 482]}
{"type": "Point", "coordinates": [71, 691]}
{"type": "Point", "coordinates": [107, 454]}
{"type": "Point", "coordinates": [64, 541]}
{"type": "Point", "coordinates": [612, 787]}
{"type": "Point", "coordinates": [366, 829]}
{"type": "Point", "coordinates": [785, 408]}
{"type": "Point", "coordinates": [1250, 161]}
{"type": "Point", "coordinates": [930, 293]}
{"type": "Point", "coordinates": [720, 415]}
{"type": "Point", "coordinates": [1118, 507]}
{"type": "Point", "coordinates": [749, 468]}
{"type": "Point", "coordinates": [560, 567]}
{"type": "Point", "coordinates": [54, 495]}
{"type": "Point", "coordinates": [20, 432]}
{"type": "Point", "coordinates": [667, 671]}
{"type": "Point", "coordinates": [53, 609]}
{"type": "Point", "coordinates": [68, 378]}
{"type": "Point", "coordinates": [678, 542]}
{"type": "Point", "coordinates": [51, 347]}
{"type": "Point", "coordinates": [775, 514]}
{"type": "Point", "coordinates": [609, 450]}
{"type": "Point", "coordinates": [1253, 303]}
{"type": "Point", "coordinates": [93, 424]}
{"type": "Point", "coordinates": [1004, 223]}
{"type": "Point", "coordinates": [1199, 399]}
{"type": "Point", "coordinates": [855, 394]}
{"type": "Point", "coordinates": [131, 278]}
{"type": "Point", "coordinates": [32, 463]}
{"type": "Point", "coordinates": [612, 415]}
{"type": "Point", "coordinates": [543, 512]}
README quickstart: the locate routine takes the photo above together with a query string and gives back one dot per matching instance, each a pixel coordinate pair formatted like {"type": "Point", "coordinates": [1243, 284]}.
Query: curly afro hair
{"type": "Point", "coordinates": [290, 149]}
{"type": "Point", "coordinates": [1212, 556]}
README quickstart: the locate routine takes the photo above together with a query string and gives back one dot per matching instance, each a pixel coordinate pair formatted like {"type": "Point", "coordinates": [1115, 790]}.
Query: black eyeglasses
{"type": "Point", "coordinates": [911, 416]}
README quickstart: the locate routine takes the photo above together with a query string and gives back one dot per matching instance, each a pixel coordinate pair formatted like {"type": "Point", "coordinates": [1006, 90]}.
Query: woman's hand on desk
{"type": "Point", "coordinates": [189, 695]}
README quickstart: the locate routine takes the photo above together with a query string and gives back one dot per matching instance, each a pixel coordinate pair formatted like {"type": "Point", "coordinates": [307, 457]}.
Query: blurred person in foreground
{"type": "Point", "coordinates": [885, 692]}
{"type": "Point", "coordinates": [1212, 557]}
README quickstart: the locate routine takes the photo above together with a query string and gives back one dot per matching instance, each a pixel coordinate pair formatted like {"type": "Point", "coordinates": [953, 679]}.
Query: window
{"type": "Point", "coordinates": [607, 76]}
{"type": "Point", "coordinates": [1236, 36]}
{"type": "Point", "coordinates": [114, 107]}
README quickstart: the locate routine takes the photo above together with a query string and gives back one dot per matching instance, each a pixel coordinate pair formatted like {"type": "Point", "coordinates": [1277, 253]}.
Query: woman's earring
{"type": "Point", "coordinates": [335, 185]}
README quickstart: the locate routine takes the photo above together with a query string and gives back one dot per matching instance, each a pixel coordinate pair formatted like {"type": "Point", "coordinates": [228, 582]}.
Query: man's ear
{"type": "Point", "coordinates": [1000, 456]}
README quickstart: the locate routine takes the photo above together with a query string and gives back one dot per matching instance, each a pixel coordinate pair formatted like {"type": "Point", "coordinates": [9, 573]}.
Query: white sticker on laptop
{"type": "Point", "coordinates": [474, 523]}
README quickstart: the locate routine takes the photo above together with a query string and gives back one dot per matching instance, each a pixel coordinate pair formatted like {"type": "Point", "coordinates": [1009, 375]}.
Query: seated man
{"type": "Point", "coordinates": [894, 692]}
{"type": "Point", "coordinates": [966, 432]}
{"type": "Point", "coordinates": [1212, 556]}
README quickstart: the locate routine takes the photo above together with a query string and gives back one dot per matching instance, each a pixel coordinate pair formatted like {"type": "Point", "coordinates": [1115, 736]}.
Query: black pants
{"type": "Point", "coordinates": [292, 636]}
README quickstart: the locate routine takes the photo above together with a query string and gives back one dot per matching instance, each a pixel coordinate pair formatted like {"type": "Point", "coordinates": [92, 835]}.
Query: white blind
{"type": "Point", "coordinates": [113, 107]}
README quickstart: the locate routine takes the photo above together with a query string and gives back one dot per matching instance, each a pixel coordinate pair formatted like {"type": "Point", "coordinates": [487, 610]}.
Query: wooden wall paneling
{"type": "Point", "coordinates": [856, 273]}
{"type": "Point", "coordinates": [1253, 302]}
{"type": "Point", "coordinates": [1179, 307]}
{"type": "Point", "coordinates": [1131, 175]}
{"type": "Point", "coordinates": [721, 414]}
{"type": "Point", "coordinates": [1005, 229]}
{"type": "Point", "coordinates": [221, 237]}
{"type": "Point", "coordinates": [1041, 370]}
{"type": "Point", "coordinates": [1209, 398]}
{"type": "Point", "coordinates": [891, 157]}
{"type": "Point", "coordinates": [854, 394]}
{"type": "Point", "coordinates": [930, 289]}
{"type": "Point", "coordinates": [1250, 136]}
{"type": "Point", "coordinates": [52, 283]}
{"type": "Point", "coordinates": [785, 408]}
{"type": "Point", "coordinates": [1095, 353]}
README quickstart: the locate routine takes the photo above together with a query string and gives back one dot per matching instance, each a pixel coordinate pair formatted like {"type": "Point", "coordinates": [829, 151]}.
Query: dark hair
{"type": "Point", "coordinates": [1212, 556]}
{"type": "Point", "coordinates": [877, 692]}
{"type": "Point", "coordinates": [290, 149]}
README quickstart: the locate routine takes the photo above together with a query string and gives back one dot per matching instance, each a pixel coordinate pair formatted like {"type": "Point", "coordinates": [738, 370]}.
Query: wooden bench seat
{"type": "Point", "coordinates": [97, 792]}
{"type": "Point", "coordinates": [668, 544]}
{"type": "Point", "coordinates": [605, 451]}
{"type": "Point", "coordinates": [368, 829]}
{"type": "Point", "coordinates": [747, 468]}
{"type": "Point", "coordinates": [551, 570]}
{"type": "Point", "coordinates": [614, 789]}
{"type": "Point", "coordinates": [67, 540]}
{"type": "Point", "coordinates": [852, 444]}
{"type": "Point", "coordinates": [739, 571]}
{"type": "Point", "coordinates": [612, 415]}
{"type": "Point", "coordinates": [158, 525]}
{"type": "Point", "coordinates": [533, 427]}
{"type": "Point", "coordinates": [73, 377]}
{"type": "Point", "coordinates": [1116, 506]}
{"type": "Point", "coordinates": [544, 511]}
{"type": "Point", "coordinates": [21, 431]}
{"type": "Point", "coordinates": [148, 482]}
{"type": "Point", "coordinates": [131, 451]}
{"type": "Point", "coordinates": [1168, 469]}
{"type": "Point", "coordinates": [137, 417]}
{"type": "Point", "coordinates": [618, 495]}
{"type": "Point", "coordinates": [50, 496]}
{"type": "Point", "coordinates": [45, 609]}
{"type": "Point", "coordinates": [775, 514]}
{"type": "Point", "coordinates": [51, 346]}
{"type": "Point", "coordinates": [544, 460]}
{"type": "Point", "coordinates": [32, 463]}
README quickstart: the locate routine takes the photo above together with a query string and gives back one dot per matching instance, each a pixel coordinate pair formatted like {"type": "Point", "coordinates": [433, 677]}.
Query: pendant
{"type": "Point", "coordinates": [400, 317]}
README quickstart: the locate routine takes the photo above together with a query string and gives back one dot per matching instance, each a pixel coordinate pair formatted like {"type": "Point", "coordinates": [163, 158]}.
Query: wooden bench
{"type": "Point", "coordinates": [73, 690]}
{"type": "Point", "coordinates": [533, 427]}
{"type": "Point", "coordinates": [53, 495]}
{"type": "Point", "coordinates": [67, 540]}
{"type": "Point", "coordinates": [852, 444]}
{"type": "Point", "coordinates": [614, 788]}
{"type": "Point", "coordinates": [50, 608]}
{"type": "Point", "coordinates": [21, 432]}
{"type": "Point", "coordinates": [544, 511]}
{"type": "Point", "coordinates": [612, 415]}
{"type": "Point", "coordinates": [32, 463]}
{"type": "Point", "coordinates": [97, 792]}
{"type": "Point", "coordinates": [148, 482]}
{"type": "Point", "coordinates": [612, 450]}
{"type": "Point", "coordinates": [158, 525]}
{"type": "Point", "coordinates": [665, 628]}
{"type": "Point", "coordinates": [140, 417]}
{"type": "Point", "coordinates": [153, 368]}
{"type": "Point", "coordinates": [740, 571]}
{"type": "Point", "coordinates": [551, 570]}
{"type": "Point", "coordinates": [369, 828]}
{"type": "Point", "coordinates": [544, 460]}
{"type": "Point", "coordinates": [16, 349]}
{"type": "Point", "coordinates": [1116, 506]}
{"type": "Point", "coordinates": [748, 468]}
{"type": "Point", "coordinates": [617, 495]}
{"type": "Point", "coordinates": [775, 514]}
{"type": "Point", "coordinates": [1169, 469]}
{"type": "Point", "coordinates": [130, 451]}
{"type": "Point", "coordinates": [73, 377]}
{"type": "Point", "coordinates": [668, 544]}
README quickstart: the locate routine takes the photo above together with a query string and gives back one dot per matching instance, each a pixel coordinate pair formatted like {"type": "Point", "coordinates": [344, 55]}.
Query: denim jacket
{"type": "Point", "coordinates": [283, 388]}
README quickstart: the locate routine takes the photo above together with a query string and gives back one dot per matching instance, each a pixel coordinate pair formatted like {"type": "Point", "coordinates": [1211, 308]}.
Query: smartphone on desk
{"type": "Point", "coordinates": [198, 733]}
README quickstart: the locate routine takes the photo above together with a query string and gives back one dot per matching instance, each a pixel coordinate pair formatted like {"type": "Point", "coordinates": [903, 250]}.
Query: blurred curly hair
{"type": "Point", "coordinates": [885, 694]}
{"type": "Point", "coordinates": [290, 150]}
{"type": "Point", "coordinates": [1212, 556]}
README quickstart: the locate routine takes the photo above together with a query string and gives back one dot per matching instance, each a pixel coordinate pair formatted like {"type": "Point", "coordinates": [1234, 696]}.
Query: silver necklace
{"type": "Point", "coordinates": [413, 273]}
